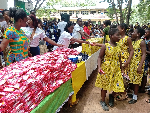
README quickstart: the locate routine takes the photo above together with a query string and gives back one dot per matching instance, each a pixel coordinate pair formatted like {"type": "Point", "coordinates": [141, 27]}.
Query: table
{"type": "Point", "coordinates": [53, 102]}
{"type": "Point", "coordinates": [78, 79]}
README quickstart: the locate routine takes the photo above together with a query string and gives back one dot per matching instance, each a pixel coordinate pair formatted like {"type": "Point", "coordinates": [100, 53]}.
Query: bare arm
{"type": "Point", "coordinates": [143, 49]}
{"type": "Point", "coordinates": [51, 42]}
{"type": "Point", "coordinates": [101, 56]}
{"type": "Point", "coordinates": [131, 50]}
{"type": "Point", "coordinates": [82, 34]}
{"type": "Point", "coordinates": [4, 44]}
{"type": "Point", "coordinates": [79, 41]}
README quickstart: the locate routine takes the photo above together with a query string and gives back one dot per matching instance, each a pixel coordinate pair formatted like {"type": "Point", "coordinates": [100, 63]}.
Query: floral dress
{"type": "Point", "coordinates": [136, 78]}
{"type": "Point", "coordinates": [112, 80]}
{"type": "Point", "coordinates": [18, 43]}
{"type": "Point", "coordinates": [123, 43]}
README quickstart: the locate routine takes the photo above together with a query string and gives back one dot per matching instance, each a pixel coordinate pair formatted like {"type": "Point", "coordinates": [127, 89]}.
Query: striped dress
{"type": "Point", "coordinates": [18, 43]}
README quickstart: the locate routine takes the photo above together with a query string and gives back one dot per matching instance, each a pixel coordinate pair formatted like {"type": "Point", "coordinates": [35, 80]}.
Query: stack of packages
{"type": "Point", "coordinates": [88, 49]}
{"type": "Point", "coordinates": [24, 84]}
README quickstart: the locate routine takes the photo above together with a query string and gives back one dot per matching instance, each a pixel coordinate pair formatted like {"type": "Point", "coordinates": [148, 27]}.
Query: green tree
{"type": "Point", "coordinates": [141, 13]}
{"type": "Point", "coordinates": [121, 13]}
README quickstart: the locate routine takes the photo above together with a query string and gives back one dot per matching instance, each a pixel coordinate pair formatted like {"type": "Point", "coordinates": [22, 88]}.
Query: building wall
{"type": "Point", "coordinates": [3, 4]}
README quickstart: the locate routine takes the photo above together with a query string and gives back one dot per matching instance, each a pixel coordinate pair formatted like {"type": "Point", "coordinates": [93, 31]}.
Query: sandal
{"type": "Point", "coordinates": [104, 106]}
{"type": "Point", "coordinates": [148, 100]}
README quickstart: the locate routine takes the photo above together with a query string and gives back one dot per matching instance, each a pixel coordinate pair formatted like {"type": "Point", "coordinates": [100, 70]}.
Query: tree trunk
{"type": "Point", "coordinates": [120, 2]}
{"type": "Point", "coordinates": [129, 12]}
{"type": "Point", "coordinates": [113, 4]}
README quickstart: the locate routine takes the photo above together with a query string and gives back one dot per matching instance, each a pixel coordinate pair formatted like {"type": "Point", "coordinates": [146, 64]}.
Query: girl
{"type": "Point", "coordinates": [112, 80]}
{"type": "Point", "coordinates": [35, 34]}
{"type": "Point", "coordinates": [136, 66]}
{"type": "Point", "coordinates": [66, 37]}
{"type": "Point", "coordinates": [105, 31]}
{"type": "Point", "coordinates": [127, 51]}
{"type": "Point", "coordinates": [147, 60]}
{"type": "Point", "coordinates": [15, 37]}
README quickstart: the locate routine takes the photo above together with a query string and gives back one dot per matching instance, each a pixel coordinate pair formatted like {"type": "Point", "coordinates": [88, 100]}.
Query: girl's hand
{"type": "Point", "coordinates": [139, 70]}
{"type": "Point", "coordinates": [100, 71]}
{"type": "Point", "coordinates": [125, 64]}
{"type": "Point", "coordinates": [87, 42]}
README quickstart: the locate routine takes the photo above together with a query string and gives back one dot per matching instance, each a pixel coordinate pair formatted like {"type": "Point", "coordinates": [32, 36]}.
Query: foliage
{"type": "Point", "coordinates": [141, 13]}
{"type": "Point", "coordinates": [116, 9]}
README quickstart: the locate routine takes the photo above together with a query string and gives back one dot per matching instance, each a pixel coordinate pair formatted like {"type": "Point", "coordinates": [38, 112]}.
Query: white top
{"type": "Point", "coordinates": [39, 35]}
{"type": "Point", "coordinates": [64, 39]}
{"type": "Point", "coordinates": [61, 25]}
{"type": "Point", "coordinates": [76, 30]}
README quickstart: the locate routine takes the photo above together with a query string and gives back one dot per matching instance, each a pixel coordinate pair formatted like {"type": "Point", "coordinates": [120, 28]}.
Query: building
{"type": "Point", "coordinates": [3, 5]}
{"type": "Point", "coordinates": [97, 14]}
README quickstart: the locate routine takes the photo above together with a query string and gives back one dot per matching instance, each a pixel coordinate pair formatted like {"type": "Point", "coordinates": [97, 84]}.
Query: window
{"type": "Point", "coordinates": [71, 12]}
{"type": "Point", "coordinates": [77, 12]}
{"type": "Point", "coordinates": [105, 12]}
{"type": "Point", "coordinates": [84, 12]}
{"type": "Point", "coordinates": [63, 12]}
{"type": "Point", "coordinates": [92, 12]}
{"type": "Point", "coordinates": [99, 11]}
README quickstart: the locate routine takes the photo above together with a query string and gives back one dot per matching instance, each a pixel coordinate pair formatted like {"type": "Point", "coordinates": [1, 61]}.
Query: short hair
{"type": "Point", "coordinates": [86, 24]}
{"type": "Point", "coordinates": [69, 24]}
{"type": "Point", "coordinates": [123, 26]}
{"type": "Point", "coordinates": [107, 22]}
{"type": "Point", "coordinates": [141, 31]}
{"type": "Point", "coordinates": [3, 12]}
{"type": "Point", "coordinates": [17, 13]}
{"type": "Point", "coordinates": [112, 31]}
{"type": "Point", "coordinates": [78, 19]}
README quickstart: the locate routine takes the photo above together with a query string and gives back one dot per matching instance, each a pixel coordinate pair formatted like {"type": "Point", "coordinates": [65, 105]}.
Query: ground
{"type": "Point", "coordinates": [89, 98]}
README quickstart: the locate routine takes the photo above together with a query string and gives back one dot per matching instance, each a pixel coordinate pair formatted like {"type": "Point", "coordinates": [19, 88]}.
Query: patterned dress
{"type": "Point", "coordinates": [112, 80]}
{"type": "Point", "coordinates": [123, 43]}
{"type": "Point", "coordinates": [136, 78]}
{"type": "Point", "coordinates": [18, 43]}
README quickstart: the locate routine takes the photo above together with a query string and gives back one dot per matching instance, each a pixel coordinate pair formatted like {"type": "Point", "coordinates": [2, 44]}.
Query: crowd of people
{"type": "Point", "coordinates": [124, 53]}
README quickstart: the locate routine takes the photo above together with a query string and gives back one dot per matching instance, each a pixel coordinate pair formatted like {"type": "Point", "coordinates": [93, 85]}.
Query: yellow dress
{"type": "Point", "coordinates": [123, 43]}
{"type": "Point", "coordinates": [112, 80]}
{"type": "Point", "coordinates": [136, 78]}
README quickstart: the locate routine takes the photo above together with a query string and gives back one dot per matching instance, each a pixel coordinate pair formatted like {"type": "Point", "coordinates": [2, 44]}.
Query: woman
{"type": "Point", "coordinates": [36, 34]}
{"type": "Point", "coordinates": [86, 30]}
{"type": "Point", "coordinates": [105, 31]}
{"type": "Point", "coordinates": [66, 37]}
{"type": "Point", "coordinates": [15, 37]}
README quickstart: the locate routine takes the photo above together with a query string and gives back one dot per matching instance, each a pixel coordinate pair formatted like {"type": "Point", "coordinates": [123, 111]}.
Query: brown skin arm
{"type": "Point", "coordinates": [4, 44]}
{"type": "Point", "coordinates": [79, 41]}
{"type": "Point", "coordinates": [102, 33]}
{"type": "Point", "coordinates": [97, 44]}
{"type": "Point", "coordinates": [83, 34]}
{"type": "Point", "coordinates": [101, 56]}
{"type": "Point", "coordinates": [52, 42]}
{"type": "Point", "coordinates": [143, 49]}
{"type": "Point", "coordinates": [131, 52]}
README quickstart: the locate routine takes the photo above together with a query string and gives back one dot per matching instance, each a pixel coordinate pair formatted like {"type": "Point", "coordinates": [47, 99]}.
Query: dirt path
{"type": "Point", "coordinates": [89, 98]}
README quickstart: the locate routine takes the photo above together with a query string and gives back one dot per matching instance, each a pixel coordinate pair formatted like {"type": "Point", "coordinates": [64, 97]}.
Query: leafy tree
{"type": "Point", "coordinates": [140, 13]}
{"type": "Point", "coordinates": [118, 10]}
